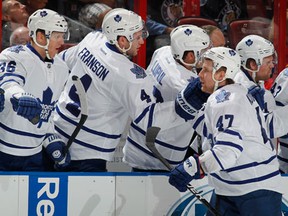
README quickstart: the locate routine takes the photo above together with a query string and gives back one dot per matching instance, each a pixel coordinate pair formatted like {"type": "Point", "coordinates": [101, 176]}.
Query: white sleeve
{"type": "Point", "coordinates": [69, 56]}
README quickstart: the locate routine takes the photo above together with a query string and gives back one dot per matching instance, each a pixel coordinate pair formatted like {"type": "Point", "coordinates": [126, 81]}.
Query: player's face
{"type": "Point", "coordinates": [205, 76]}
{"type": "Point", "coordinates": [56, 41]}
{"type": "Point", "coordinates": [265, 69]}
{"type": "Point", "coordinates": [136, 44]}
{"type": "Point", "coordinates": [18, 12]}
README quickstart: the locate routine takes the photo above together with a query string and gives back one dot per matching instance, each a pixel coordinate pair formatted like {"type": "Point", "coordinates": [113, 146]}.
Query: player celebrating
{"type": "Point", "coordinates": [279, 91]}
{"type": "Point", "coordinates": [243, 179]}
{"type": "Point", "coordinates": [258, 59]}
{"type": "Point", "coordinates": [114, 85]}
{"type": "Point", "coordinates": [171, 68]}
{"type": "Point", "coordinates": [33, 78]}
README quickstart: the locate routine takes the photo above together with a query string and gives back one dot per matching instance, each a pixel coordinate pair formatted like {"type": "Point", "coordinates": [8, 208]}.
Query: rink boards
{"type": "Point", "coordinates": [100, 194]}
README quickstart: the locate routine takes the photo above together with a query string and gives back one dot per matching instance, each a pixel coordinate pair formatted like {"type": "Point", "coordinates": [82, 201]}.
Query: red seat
{"type": "Point", "coordinates": [196, 20]}
{"type": "Point", "coordinates": [237, 29]}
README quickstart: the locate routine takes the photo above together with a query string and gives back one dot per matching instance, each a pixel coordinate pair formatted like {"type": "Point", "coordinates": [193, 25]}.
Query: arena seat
{"type": "Point", "coordinates": [237, 29]}
{"type": "Point", "coordinates": [196, 20]}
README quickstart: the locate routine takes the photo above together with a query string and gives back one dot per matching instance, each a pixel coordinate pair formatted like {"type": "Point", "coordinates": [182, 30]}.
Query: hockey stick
{"type": "Point", "coordinates": [84, 110]}
{"type": "Point", "coordinates": [151, 135]}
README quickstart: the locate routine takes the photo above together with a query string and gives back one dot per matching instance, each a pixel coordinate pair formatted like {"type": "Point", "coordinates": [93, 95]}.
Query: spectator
{"type": "Point", "coordinates": [33, 5]}
{"type": "Point", "coordinates": [14, 15]}
{"type": "Point", "coordinates": [20, 36]}
{"type": "Point", "coordinates": [216, 35]}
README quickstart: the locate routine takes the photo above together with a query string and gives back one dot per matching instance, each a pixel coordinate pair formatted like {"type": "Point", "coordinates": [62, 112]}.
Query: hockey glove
{"type": "Point", "coordinates": [185, 172]}
{"type": "Point", "coordinates": [2, 99]}
{"type": "Point", "coordinates": [55, 148]}
{"type": "Point", "coordinates": [27, 106]}
{"type": "Point", "coordinates": [258, 93]}
{"type": "Point", "coordinates": [190, 100]}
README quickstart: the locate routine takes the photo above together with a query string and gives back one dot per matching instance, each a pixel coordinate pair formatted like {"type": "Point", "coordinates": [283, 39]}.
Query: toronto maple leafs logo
{"type": "Point", "coordinates": [118, 18]}
{"type": "Point", "coordinates": [16, 48]}
{"type": "Point", "coordinates": [43, 13]}
{"type": "Point", "coordinates": [249, 42]}
{"type": "Point", "coordinates": [138, 71]}
{"type": "Point", "coordinates": [47, 106]}
{"type": "Point", "coordinates": [188, 31]}
{"type": "Point", "coordinates": [222, 96]}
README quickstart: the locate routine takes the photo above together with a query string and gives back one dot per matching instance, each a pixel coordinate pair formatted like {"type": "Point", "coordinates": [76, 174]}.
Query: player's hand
{"type": "Point", "coordinates": [27, 106]}
{"type": "Point", "coordinates": [185, 172]}
{"type": "Point", "coordinates": [2, 99]}
{"type": "Point", "coordinates": [190, 100]}
{"type": "Point", "coordinates": [258, 93]}
{"type": "Point", "coordinates": [55, 148]}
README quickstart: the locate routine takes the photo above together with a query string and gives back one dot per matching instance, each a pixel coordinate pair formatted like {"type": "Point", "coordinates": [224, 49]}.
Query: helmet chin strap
{"type": "Point", "coordinates": [216, 85]}
{"type": "Point", "coordinates": [44, 47]}
{"type": "Point", "coordinates": [123, 50]}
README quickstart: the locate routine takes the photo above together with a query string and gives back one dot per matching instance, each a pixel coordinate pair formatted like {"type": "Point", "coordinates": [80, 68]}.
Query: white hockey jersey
{"type": "Point", "coordinates": [279, 91]}
{"type": "Point", "coordinates": [22, 70]}
{"type": "Point", "coordinates": [115, 88]}
{"type": "Point", "coordinates": [169, 78]}
{"type": "Point", "coordinates": [247, 81]}
{"type": "Point", "coordinates": [168, 75]}
{"type": "Point", "coordinates": [239, 157]}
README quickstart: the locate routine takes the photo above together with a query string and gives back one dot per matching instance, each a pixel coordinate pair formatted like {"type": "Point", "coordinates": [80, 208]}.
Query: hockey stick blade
{"type": "Point", "coordinates": [84, 110]}
{"type": "Point", "coordinates": [151, 135]}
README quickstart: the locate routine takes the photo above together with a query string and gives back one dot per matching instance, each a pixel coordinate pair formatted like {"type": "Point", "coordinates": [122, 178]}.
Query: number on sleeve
{"type": "Point", "coordinates": [225, 121]}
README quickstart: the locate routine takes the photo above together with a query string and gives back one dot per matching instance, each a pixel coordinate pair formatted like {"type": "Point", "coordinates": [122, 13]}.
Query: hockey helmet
{"type": "Point", "coordinates": [257, 48]}
{"type": "Point", "coordinates": [189, 38]}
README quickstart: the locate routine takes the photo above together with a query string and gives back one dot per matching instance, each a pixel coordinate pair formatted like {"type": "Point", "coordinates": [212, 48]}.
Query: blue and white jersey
{"type": "Point", "coordinates": [239, 157]}
{"type": "Point", "coordinates": [23, 70]}
{"type": "Point", "coordinates": [245, 79]}
{"type": "Point", "coordinates": [115, 88]}
{"type": "Point", "coordinates": [242, 158]}
{"type": "Point", "coordinates": [169, 77]}
{"type": "Point", "coordinates": [280, 92]}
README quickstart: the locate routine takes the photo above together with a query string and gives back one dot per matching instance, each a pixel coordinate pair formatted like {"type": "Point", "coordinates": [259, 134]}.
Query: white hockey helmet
{"type": "Point", "coordinates": [189, 38]}
{"type": "Point", "coordinates": [257, 48]}
{"type": "Point", "coordinates": [224, 57]}
{"type": "Point", "coordinates": [122, 22]}
{"type": "Point", "coordinates": [47, 20]}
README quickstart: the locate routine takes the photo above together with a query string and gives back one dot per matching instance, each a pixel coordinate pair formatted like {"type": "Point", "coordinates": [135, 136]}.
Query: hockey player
{"type": "Point", "coordinates": [258, 59]}
{"type": "Point", "coordinates": [171, 68]}
{"type": "Point", "coordinates": [33, 78]}
{"type": "Point", "coordinates": [241, 163]}
{"type": "Point", "coordinates": [279, 91]}
{"type": "Point", "coordinates": [115, 88]}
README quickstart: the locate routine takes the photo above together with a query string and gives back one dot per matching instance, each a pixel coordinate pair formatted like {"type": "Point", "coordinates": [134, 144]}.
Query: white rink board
{"type": "Point", "coordinates": [100, 194]}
